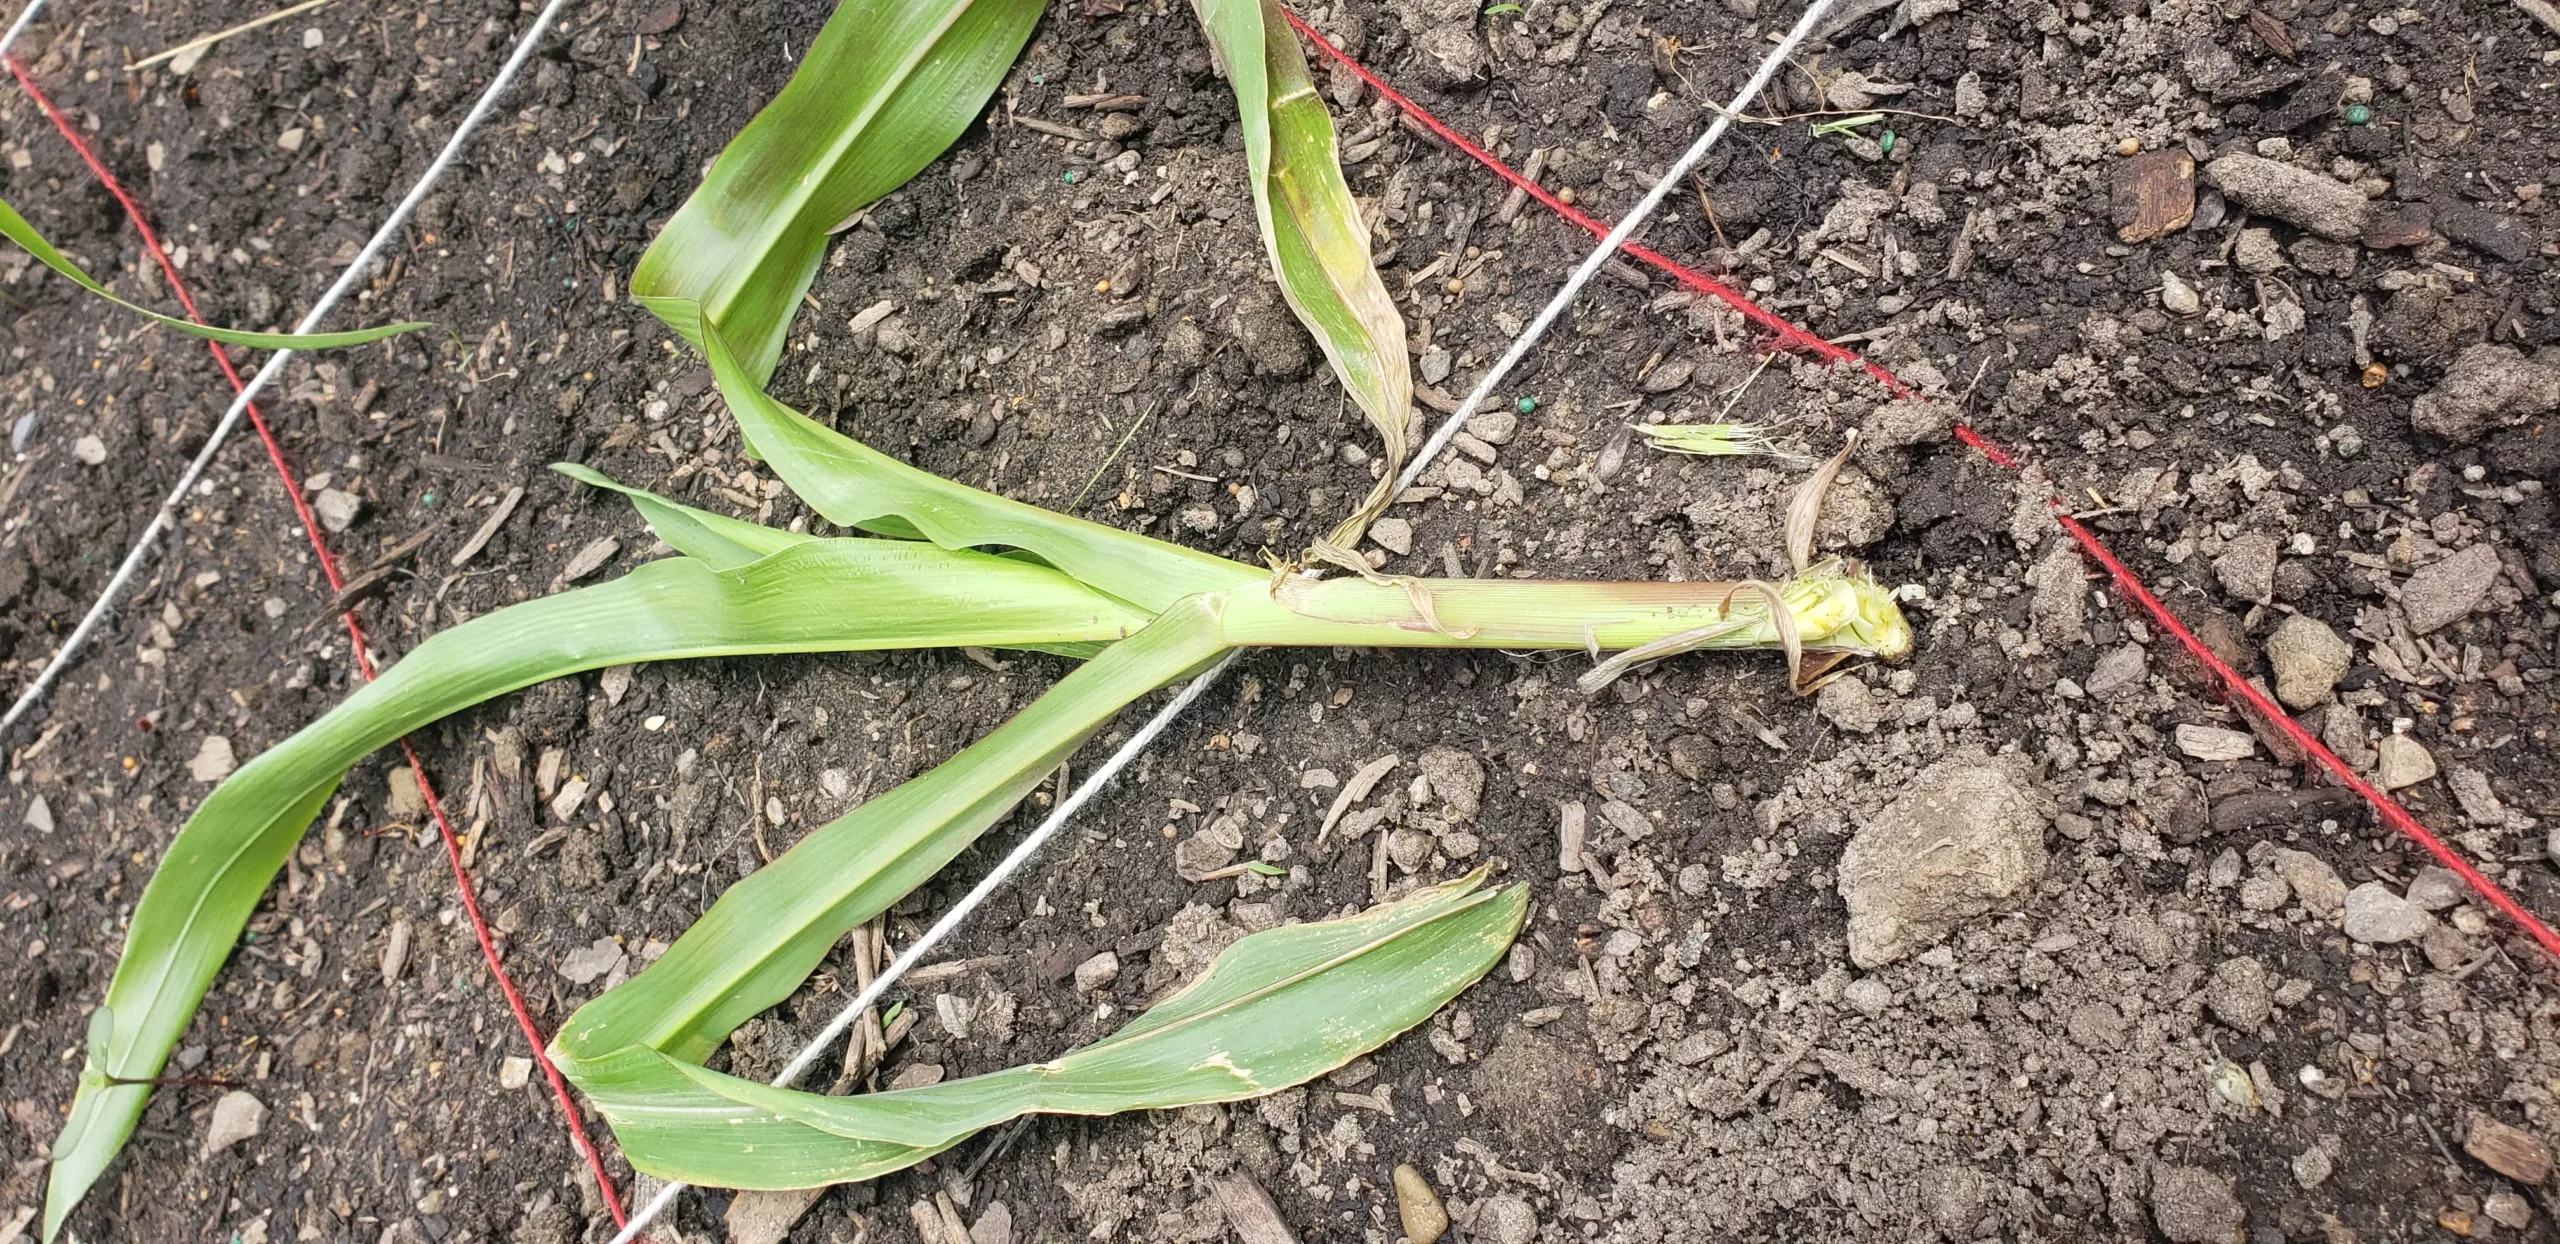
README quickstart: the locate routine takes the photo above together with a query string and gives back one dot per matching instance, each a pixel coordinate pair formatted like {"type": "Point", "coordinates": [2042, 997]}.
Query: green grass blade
{"type": "Point", "coordinates": [855, 485]}
{"type": "Point", "coordinates": [818, 596]}
{"type": "Point", "coordinates": [769, 931]}
{"type": "Point", "coordinates": [15, 227]}
{"type": "Point", "coordinates": [1275, 1010]}
{"type": "Point", "coordinates": [1318, 243]}
{"type": "Point", "coordinates": [888, 85]}
{"type": "Point", "coordinates": [721, 542]}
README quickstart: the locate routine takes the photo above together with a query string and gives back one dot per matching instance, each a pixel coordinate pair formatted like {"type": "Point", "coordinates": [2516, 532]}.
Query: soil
{"type": "Point", "coordinates": [2162, 1031]}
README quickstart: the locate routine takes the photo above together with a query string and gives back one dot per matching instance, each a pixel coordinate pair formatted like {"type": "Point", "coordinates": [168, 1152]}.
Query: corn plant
{"type": "Point", "coordinates": [888, 85]}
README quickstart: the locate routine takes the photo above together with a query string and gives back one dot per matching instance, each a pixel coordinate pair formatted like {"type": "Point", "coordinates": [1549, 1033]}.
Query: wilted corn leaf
{"type": "Point", "coordinates": [854, 485]}
{"type": "Point", "coordinates": [1275, 1010]}
{"type": "Point", "coordinates": [771, 929]}
{"type": "Point", "coordinates": [887, 86]}
{"type": "Point", "coordinates": [15, 227]}
{"type": "Point", "coordinates": [1318, 243]}
{"type": "Point", "coordinates": [816, 596]}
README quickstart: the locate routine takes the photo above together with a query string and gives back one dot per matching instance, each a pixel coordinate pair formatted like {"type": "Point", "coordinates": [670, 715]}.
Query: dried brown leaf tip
{"type": "Point", "coordinates": [1104, 8]}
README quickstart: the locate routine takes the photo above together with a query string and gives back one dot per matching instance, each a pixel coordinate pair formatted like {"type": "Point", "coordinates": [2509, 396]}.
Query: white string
{"type": "Point", "coordinates": [18, 27]}
{"type": "Point", "coordinates": [165, 519]}
{"type": "Point", "coordinates": [1165, 716]}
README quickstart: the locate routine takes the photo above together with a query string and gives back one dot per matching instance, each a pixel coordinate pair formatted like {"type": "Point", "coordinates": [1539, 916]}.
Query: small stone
{"type": "Point", "coordinates": [995, 1226]}
{"type": "Point", "coordinates": [2317, 203]}
{"type": "Point", "coordinates": [2444, 592]}
{"type": "Point", "coordinates": [402, 801]}
{"type": "Point", "coordinates": [89, 450]}
{"type": "Point", "coordinates": [1201, 519]}
{"type": "Point", "coordinates": [236, 1117]}
{"type": "Point", "coordinates": [2215, 743]}
{"type": "Point", "coordinates": [590, 962]}
{"type": "Point", "coordinates": [1870, 996]}
{"type": "Point", "coordinates": [766, 1216]}
{"type": "Point", "coordinates": [2153, 194]}
{"type": "Point", "coordinates": [2192, 1206]}
{"type": "Point", "coordinates": [337, 509]}
{"type": "Point", "coordinates": [2265, 892]}
{"type": "Point", "coordinates": [2179, 298]}
{"type": "Point", "coordinates": [1418, 1208]}
{"type": "Point", "coordinates": [2513, 1152]}
{"type": "Point", "coordinates": [2241, 993]}
{"type": "Point", "coordinates": [1508, 1219]}
{"type": "Point", "coordinates": [213, 759]}
{"type": "Point", "coordinates": [39, 816]}
{"type": "Point", "coordinates": [2247, 567]}
{"type": "Point", "coordinates": [2378, 917]}
{"type": "Point", "coordinates": [2487, 387]}
{"type": "Point", "coordinates": [1395, 535]}
{"type": "Point", "coordinates": [2509, 1210]}
{"type": "Point", "coordinates": [2311, 1167]}
{"type": "Point", "coordinates": [2311, 880]}
{"type": "Point", "coordinates": [1457, 781]}
{"type": "Point", "coordinates": [2436, 888]}
{"type": "Point", "coordinates": [1669, 376]}
{"type": "Point", "coordinates": [1409, 849]}
{"type": "Point", "coordinates": [514, 1072]}
{"type": "Point", "coordinates": [1097, 972]}
{"type": "Point", "coordinates": [2309, 659]}
{"type": "Point", "coordinates": [1494, 427]}
{"type": "Point", "coordinates": [2124, 667]}
{"type": "Point", "coordinates": [2404, 762]}
{"type": "Point", "coordinates": [2480, 804]}
{"type": "Point", "coordinates": [291, 139]}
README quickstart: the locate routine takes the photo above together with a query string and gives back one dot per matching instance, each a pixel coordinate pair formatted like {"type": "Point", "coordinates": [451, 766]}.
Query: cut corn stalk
{"type": "Point", "coordinates": [885, 88]}
{"type": "Point", "coordinates": [15, 227]}
{"type": "Point", "coordinates": [1319, 244]}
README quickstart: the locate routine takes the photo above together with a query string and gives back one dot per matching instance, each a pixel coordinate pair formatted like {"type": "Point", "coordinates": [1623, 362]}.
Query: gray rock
{"type": "Point", "coordinates": [1097, 972]}
{"type": "Point", "coordinates": [1967, 838]}
{"type": "Point", "coordinates": [2311, 1167]}
{"type": "Point", "coordinates": [2309, 659]}
{"type": "Point", "coordinates": [2247, 567]}
{"type": "Point", "coordinates": [2060, 606]}
{"type": "Point", "coordinates": [2487, 387]}
{"type": "Point", "coordinates": [1395, 535]}
{"type": "Point", "coordinates": [2265, 892]}
{"type": "Point", "coordinates": [1494, 427]}
{"type": "Point", "coordinates": [2215, 743]}
{"type": "Point", "coordinates": [238, 1116]}
{"type": "Point", "coordinates": [2179, 298]}
{"type": "Point", "coordinates": [2297, 196]}
{"type": "Point", "coordinates": [2436, 888]}
{"type": "Point", "coordinates": [1856, 513]}
{"type": "Point", "coordinates": [2444, 592]}
{"type": "Point", "coordinates": [2312, 881]}
{"type": "Point", "coordinates": [2480, 804]}
{"type": "Point", "coordinates": [1507, 1219]}
{"type": "Point", "coordinates": [2378, 917]}
{"type": "Point", "coordinates": [2241, 993]}
{"type": "Point", "coordinates": [1870, 995]}
{"type": "Point", "coordinates": [1457, 781]}
{"type": "Point", "coordinates": [2192, 1206]}
{"type": "Point", "coordinates": [2123, 667]}
{"type": "Point", "coordinates": [337, 510]}
{"type": "Point", "coordinates": [2402, 762]}
{"type": "Point", "coordinates": [213, 760]}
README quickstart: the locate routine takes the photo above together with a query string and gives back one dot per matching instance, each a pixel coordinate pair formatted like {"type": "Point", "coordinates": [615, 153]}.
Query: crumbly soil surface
{"type": "Point", "coordinates": [2135, 1011]}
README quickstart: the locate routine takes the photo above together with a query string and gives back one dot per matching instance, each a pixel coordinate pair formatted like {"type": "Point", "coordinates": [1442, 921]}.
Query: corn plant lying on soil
{"type": "Point", "coordinates": [889, 85]}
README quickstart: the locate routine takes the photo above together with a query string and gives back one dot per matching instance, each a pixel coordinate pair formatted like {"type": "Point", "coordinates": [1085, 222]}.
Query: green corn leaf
{"type": "Point", "coordinates": [719, 541]}
{"type": "Point", "coordinates": [1318, 243]}
{"type": "Point", "coordinates": [1277, 1009]}
{"type": "Point", "coordinates": [888, 85]}
{"type": "Point", "coordinates": [816, 596]}
{"type": "Point", "coordinates": [770, 930]}
{"type": "Point", "coordinates": [855, 485]}
{"type": "Point", "coordinates": [15, 227]}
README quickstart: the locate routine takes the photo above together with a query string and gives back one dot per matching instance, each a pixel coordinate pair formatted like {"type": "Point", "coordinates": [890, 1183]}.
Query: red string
{"type": "Point", "coordinates": [1787, 333]}
{"type": "Point", "coordinates": [2384, 806]}
{"type": "Point", "coordinates": [355, 635]}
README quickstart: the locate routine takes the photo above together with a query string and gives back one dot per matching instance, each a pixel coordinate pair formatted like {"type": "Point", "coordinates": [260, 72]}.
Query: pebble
{"type": "Point", "coordinates": [2487, 387]}
{"type": "Point", "coordinates": [213, 759]}
{"type": "Point", "coordinates": [237, 1117]}
{"type": "Point", "coordinates": [2312, 880]}
{"type": "Point", "coordinates": [2404, 762]}
{"type": "Point", "coordinates": [2311, 1167]}
{"type": "Point", "coordinates": [39, 815]}
{"type": "Point", "coordinates": [1967, 838]}
{"type": "Point", "coordinates": [2378, 917]}
{"type": "Point", "coordinates": [2215, 743]}
{"type": "Point", "coordinates": [2509, 1210]}
{"type": "Point", "coordinates": [1669, 376]}
{"type": "Point", "coordinates": [2309, 659]}
{"type": "Point", "coordinates": [1507, 1219]}
{"type": "Point", "coordinates": [2241, 993]}
{"type": "Point", "coordinates": [337, 508]}
{"type": "Point", "coordinates": [2320, 204]}
{"type": "Point", "coordinates": [89, 450]}
{"type": "Point", "coordinates": [2193, 1206]}
{"type": "Point", "coordinates": [1494, 427]}
{"type": "Point", "coordinates": [514, 1072]}
{"type": "Point", "coordinates": [1869, 995]}
{"type": "Point", "coordinates": [1097, 972]}
{"type": "Point", "coordinates": [1418, 1208]}
{"type": "Point", "coordinates": [2179, 298]}
{"type": "Point", "coordinates": [2247, 567]}
{"type": "Point", "coordinates": [1395, 535]}
{"type": "Point", "coordinates": [2442, 593]}
{"type": "Point", "coordinates": [2265, 892]}
{"type": "Point", "coordinates": [589, 962]}
{"type": "Point", "coordinates": [2121, 668]}
{"type": "Point", "coordinates": [2436, 888]}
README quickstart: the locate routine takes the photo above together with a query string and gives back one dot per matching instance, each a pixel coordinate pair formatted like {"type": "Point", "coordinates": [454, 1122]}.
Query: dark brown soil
{"type": "Point", "coordinates": [1605, 1090]}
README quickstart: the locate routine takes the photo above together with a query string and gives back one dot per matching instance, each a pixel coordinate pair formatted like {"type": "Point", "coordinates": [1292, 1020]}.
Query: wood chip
{"type": "Point", "coordinates": [766, 1217]}
{"type": "Point", "coordinates": [1068, 132]}
{"type": "Point", "coordinates": [1571, 829]}
{"type": "Point", "coordinates": [2517, 1154]}
{"type": "Point", "coordinates": [2152, 194]}
{"type": "Point", "coordinates": [488, 528]}
{"type": "Point", "coordinates": [1249, 1211]}
{"type": "Point", "coordinates": [588, 560]}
